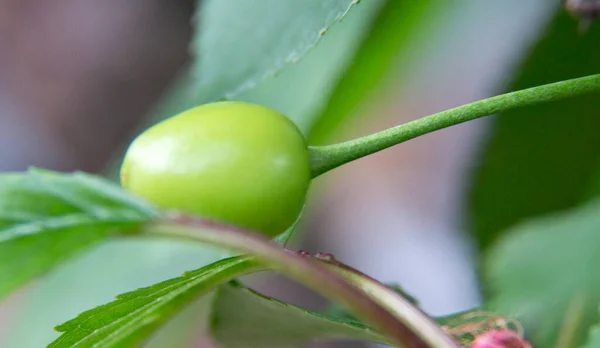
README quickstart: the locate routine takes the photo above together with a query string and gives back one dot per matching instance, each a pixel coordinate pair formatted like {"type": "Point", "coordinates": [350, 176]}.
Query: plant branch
{"type": "Point", "coordinates": [306, 271]}
{"type": "Point", "coordinates": [326, 158]}
{"type": "Point", "coordinates": [402, 309]}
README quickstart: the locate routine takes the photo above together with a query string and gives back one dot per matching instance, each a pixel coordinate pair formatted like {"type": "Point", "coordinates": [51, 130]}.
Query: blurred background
{"type": "Point", "coordinates": [79, 78]}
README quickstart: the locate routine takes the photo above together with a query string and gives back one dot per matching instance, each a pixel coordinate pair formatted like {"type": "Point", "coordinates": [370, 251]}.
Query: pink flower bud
{"type": "Point", "coordinates": [500, 339]}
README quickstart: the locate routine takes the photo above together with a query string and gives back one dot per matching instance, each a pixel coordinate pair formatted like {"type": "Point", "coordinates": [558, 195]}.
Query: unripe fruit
{"type": "Point", "coordinates": [234, 162]}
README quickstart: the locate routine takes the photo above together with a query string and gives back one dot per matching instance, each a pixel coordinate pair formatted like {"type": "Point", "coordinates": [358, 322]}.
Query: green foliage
{"type": "Point", "coordinates": [543, 158]}
{"type": "Point", "coordinates": [594, 337]}
{"type": "Point", "coordinates": [380, 51]}
{"type": "Point", "coordinates": [94, 277]}
{"type": "Point", "coordinates": [301, 90]}
{"type": "Point", "coordinates": [47, 218]}
{"type": "Point", "coordinates": [134, 316]}
{"type": "Point", "coordinates": [336, 311]}
{"type": "Point", "coordinates": [242, 42]}
{"type": "Point", "coordinates": [237, 310]}
{"type": "Point", "coordinates": [538, 160]}
{"type": "Point", "coordinates": [543, 273]}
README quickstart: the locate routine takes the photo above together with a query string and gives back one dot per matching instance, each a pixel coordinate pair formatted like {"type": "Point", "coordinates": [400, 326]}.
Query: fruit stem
{"type": "Point", "coordinates": [326, 158]}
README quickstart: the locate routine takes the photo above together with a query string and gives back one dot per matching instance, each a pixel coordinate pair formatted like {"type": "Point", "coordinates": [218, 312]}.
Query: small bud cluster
{"type": "Point", "coordinates": [486, 330]}
{"type": "Point", "coordinates": [500, 339]}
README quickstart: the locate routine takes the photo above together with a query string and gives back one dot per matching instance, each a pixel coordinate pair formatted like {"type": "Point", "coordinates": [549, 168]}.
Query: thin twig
{"type": "Point", "coordinates": [326, 158]}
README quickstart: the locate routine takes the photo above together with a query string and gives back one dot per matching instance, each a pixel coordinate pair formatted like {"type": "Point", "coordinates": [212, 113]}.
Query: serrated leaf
{"type": "Point", "coordinates": [138, 314]}
{"type": "Point", "coordinates": [134, 316]}
{"type": "Point", "coordinates": [131, 319]}
{"type": "Point", "coordinates": [236, 310]}
{"type": "Point", "coordinates": [544, 270]}
{"type": "Point", "coordinates": [239, 43]}
{"type": "Point", "coordinates": [48, 217]}
{"type": "Point", "coordinates": [541, 159]}
{"type": "Point", "coordinates": [94, 277]}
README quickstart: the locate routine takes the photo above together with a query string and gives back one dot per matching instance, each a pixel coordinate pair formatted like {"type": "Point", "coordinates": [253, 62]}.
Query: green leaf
{"type": "Point", "coordinates": [389, 38]}
{"type": "Point", "coordinates": [543, 272]}
{"type": "Point", "coordinates": [593, 337]}
{"type": "Point", "coordinates": [336, 311]}
{"type": "Point", "coordinates": [239, 43]}
{"type": "Point", "coordinates": [95, 277]}
{"type": "Point", "coordinates": [236, 311]}
{"type": "Point", "coordinates": [541, 159]}
{"type": "Point", "coordinates": [134, 316]}
{"type": "Point", "coordinates": [47, 217]}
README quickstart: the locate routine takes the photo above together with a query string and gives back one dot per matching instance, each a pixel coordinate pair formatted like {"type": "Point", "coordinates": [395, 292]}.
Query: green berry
{"type": "Point", "coordinates": [234, 162]}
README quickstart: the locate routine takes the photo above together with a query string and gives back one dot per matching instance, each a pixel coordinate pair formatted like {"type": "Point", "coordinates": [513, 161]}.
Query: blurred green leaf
{"type": "Point", "coordinates": [134, 316]}
{"type": "Point", "coordinates": [236, 311]}
{"type": "Point", "coordinates": [94, 277]}
{"type": "Point", "coordinates": [594, 337]}
{"type": "Point", "coordinates": [301, 90]}
{"type": "Point", "coordinates": [379, 52]}
{"type": "Point", "coordinates": [239, 43]}
{"type": "Point", "coordinates": [46, 218]}
{"type": "Point", "coordinates": [541, 159]}
{"type": "Point", "coordinates": [544, 273]}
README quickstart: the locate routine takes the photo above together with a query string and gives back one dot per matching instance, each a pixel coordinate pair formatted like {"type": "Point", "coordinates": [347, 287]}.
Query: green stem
{"type": "Point", "coordinates": [313, 275]}
{"type": "Point", "coordinates": [402, 308]}
{"type": "Point", "coordinates": [326, 158]}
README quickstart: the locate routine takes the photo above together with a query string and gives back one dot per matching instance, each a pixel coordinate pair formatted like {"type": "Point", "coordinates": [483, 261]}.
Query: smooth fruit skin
{"type": "Point", "coordinates": [233, 162]}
